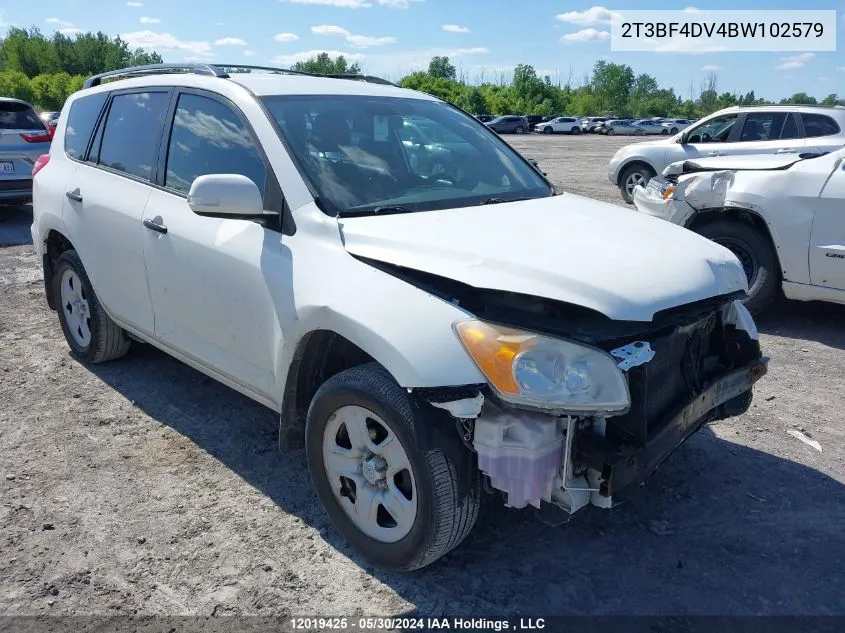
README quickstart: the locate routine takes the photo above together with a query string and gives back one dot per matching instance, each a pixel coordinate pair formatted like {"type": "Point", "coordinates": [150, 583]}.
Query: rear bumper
{"type": "Point", "coordinates": [16, 189]}
{"type": "Point", "coordinates": [23, 195]}
{"type": "Point", "coordinates": [622, 466]}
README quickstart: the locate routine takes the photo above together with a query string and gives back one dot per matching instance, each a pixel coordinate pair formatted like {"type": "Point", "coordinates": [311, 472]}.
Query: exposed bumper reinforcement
{"type": "Point", "coordinates": [622, 465]}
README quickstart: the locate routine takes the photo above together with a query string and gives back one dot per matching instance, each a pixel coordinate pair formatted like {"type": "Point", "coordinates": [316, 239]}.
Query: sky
{"type": "Point", "coordinates": [484, 39]}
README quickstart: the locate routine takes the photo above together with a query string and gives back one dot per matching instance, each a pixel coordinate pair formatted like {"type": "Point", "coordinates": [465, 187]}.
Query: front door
{"type": "Point", "coordinates": [827, 242]}
{"type": "Point", "coordinates": [213, 281]}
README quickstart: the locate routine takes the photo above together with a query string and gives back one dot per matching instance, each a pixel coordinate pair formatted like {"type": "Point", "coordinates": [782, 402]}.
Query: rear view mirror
{"type": "Point", "coordinates": [225, 195]}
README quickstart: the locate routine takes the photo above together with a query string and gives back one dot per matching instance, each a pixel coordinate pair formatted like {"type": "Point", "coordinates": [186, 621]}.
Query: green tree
{"type": "Point", "coordinates": [323, 64]}
{"type": "Point", "coordinates": [800, 98]}
{"type": "Point", "coordinates": [611, 85]}
{"type": "Point", "coordinates": [14, 83]}
{"type": "Point", "coordinates": [440, 67]}
{"type": "Point", "coordinates": [831, 99]}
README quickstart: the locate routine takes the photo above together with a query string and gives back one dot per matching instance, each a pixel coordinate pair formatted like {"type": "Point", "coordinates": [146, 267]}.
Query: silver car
{"type": "Point", "coordinates": [23, 138]}
{"type": "Point", "coordinates": [620, 126]}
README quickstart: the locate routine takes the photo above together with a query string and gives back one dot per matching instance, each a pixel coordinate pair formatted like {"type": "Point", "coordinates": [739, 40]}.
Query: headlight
{"type": "Point", "coordinates": [549, 373]}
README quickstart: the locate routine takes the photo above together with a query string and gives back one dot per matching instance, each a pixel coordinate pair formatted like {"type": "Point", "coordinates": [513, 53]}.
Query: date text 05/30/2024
{"type": "Point", "coordinates": [425, 624]}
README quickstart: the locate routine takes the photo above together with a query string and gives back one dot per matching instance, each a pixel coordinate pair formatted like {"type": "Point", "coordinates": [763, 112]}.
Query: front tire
{"type": "Point", "coordinates": [610, 132]}
{"type": "Point", "coordinates": [575, 130]}
{"type": "Point", "coordinates": [631, 177]}
{"type": "Point", "coordinates": [757, 256]}
{"type": "Point", "coordinates": [547, 130]}
{"type": "Point", "coordinates": [90, 333]}
{"type": "Point", "coordinates": [394, 494]}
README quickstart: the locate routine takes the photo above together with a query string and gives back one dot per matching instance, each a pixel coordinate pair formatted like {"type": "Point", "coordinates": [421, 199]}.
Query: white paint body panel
{"type": "Point", "coordinates": [567, 248]}
{"type": "Point", "coordinates": [802, 205]}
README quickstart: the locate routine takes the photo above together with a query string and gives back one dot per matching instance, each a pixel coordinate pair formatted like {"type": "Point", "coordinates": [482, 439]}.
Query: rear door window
{"type": "Point", "coordinates": [816, 125]}
{"type": "Point", "coordinates": [132, 132]}
{"type": "Point", "coordinates": [81, 120]}
{"type": "Point", "coordinates": [19, 116]}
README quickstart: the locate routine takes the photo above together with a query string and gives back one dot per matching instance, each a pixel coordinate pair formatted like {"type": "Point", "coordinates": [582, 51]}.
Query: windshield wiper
{"type": "Point", "coordinates": [387, 209]}
{"type": "Point", "coordinates": [502, 200]}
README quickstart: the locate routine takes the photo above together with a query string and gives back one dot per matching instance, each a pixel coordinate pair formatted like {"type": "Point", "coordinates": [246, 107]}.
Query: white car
{"type": "Point", "coordinates": [782, 216]}
{"type": "Point", "coordinates": [676, 125]}
{"type": "Point", "coordinates": [417, 332]}
{"type": "Point", "coordinates": [560, 125]}
{"type": "Point", "coordinates": [737, 130]}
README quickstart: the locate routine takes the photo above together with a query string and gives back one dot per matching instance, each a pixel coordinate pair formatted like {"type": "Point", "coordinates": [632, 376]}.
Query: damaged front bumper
{"type": "Point", "coordinates": [621, 466]}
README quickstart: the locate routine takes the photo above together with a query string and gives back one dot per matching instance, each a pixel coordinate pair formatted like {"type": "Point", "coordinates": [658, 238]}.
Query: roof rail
{"type": "Point", "coordinates": [154, 69]}
{"type": "Point", "coordinates": [217, 70]}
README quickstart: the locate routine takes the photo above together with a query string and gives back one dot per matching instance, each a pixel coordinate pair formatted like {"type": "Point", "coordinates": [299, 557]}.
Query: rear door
{"type": "Point", "coordinates": [23, 138]}
{"type": "Point", "coordinates": [213, 280]}
{"type": "Point", "coordinates": [822, 132]}
{"type": "Point", "coordinates": [827, 243]}
{"type": "Point", "coordinates": [769, 131]}
{"type": "Point", "coordinates": [107, 196]}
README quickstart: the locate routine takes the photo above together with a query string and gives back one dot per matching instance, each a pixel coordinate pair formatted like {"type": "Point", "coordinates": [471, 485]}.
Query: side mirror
{"type": "Point", "coordinates": [226, 195]}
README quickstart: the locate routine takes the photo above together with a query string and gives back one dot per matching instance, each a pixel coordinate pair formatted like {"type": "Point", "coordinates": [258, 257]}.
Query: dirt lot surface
{"type": "Point", "coordinates": [143, 487]}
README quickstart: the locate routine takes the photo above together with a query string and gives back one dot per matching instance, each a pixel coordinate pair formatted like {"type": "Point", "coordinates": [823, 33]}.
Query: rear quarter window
{"type": "Point", "coordinates": [81, 120]}
{"type": "Point", "coordinates": [19, 116]}
{"type": "Point", "coordinates": [819, 125]}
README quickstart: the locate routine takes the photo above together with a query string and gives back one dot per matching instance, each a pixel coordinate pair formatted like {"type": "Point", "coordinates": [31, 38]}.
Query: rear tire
{"type": "Point", "coordinates": [520, 130]}
{"type": "Point", "coordinates": [575, 130]}
{"type": "Point", "coordinates": [446, 484]}
{"type": "Point", "coordinates": [757, 256]}
{"type": "Point", "coordinates": [90, 333]}
{"type": "Point", "coordinates": [674, 130]}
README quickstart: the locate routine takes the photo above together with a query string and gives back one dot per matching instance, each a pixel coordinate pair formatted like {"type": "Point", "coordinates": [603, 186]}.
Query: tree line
{"type": "Point", "coordinates": [45, 70]}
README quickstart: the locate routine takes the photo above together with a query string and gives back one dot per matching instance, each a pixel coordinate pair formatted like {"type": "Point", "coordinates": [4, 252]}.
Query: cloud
{"type": "Point", "coordinates": [592, 16]}
{"type": "Point", "coordinates": [58, 22]}
{"type": "Point", "coordinates": [146, 20]}
{"type": "Point", "coordinates": [397, 4]}
{"type": "Point", "coordinates": [306, 55]}
{"type": "Point", "coordinates": [586, 35]}
{"type": "Point", "coordinates": [135, 4]}
{"type": "Point", "coordinates": [229, 41]}
{"type": "Point", "coordinates": [70, 31]}
{"type": "Point", "coordinates": [343, 4]}
{"type": "Point", "coordinates": [841, 69]}
{"type": "Point", "coordinates": [692, 10]}
{"type": "Point", "coordinates": [710, 68]}
{"type": "Point", "coordinates": [286, 37]}
{"type": "Point", "coordinates": [455, 28]}
{"type": "Point", "coordinates": [358, 41]}
{"type": "Point", "coordinates": [249, 53]}
{"type": "Point", "coordinates": [478, 50]}
{"type": "Point", "coordinates": [164, 42]}
{"type": "Point", "coordinates": [791, 62]}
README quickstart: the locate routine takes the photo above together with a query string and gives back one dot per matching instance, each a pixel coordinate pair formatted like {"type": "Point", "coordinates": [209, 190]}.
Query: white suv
{"type": "Point", "coordinates": [417, 329]}
{"type": "Point", "coordinates": [792, 129]}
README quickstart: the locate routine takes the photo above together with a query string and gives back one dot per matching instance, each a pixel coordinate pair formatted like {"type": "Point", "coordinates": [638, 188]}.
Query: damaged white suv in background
{"type": "Point", "coordinates": [782, 216]}
{"type": "Point", "coordinates": [419, 330]}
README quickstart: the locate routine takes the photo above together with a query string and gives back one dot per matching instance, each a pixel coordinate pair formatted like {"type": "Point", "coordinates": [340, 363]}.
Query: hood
{"type": "Point", "coordinates": [746, 162]}
{"type": "Point", "coordinates": [624, 264]}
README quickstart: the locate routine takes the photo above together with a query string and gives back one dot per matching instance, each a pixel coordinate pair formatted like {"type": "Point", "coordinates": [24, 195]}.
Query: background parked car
{"type": "Point", "coordinates": [677, 125]}
{"type": "Point", "coordinates": [770, 129]}
{"type": "Point", "coordinates": [535, 119]}
{"type": "Point", "coordinates": [509, 124]}
{"type": "Point", "coordinates": [620, 126]}
{"type": "Point", "coordinates": [651, 128]}
{"type": "Point", "coordinates": [560, 125]}
{"type": "Point", "coordinates": [23, 138]}
{"type": "Point", "coordinates": [484, 118]}
{"type": "Point", "coordinates": [592, 124]}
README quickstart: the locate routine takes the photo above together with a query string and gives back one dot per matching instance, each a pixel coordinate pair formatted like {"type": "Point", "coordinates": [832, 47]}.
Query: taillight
{"type": "Point", "coordinates": [45, 137]}
{"type": "Point", "coordinates": [40, 162]}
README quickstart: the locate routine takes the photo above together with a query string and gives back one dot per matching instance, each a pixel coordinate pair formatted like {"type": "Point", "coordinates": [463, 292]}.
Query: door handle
{"type": "Point", "coordinates": [155, 226]}
{"type": "Point", "coordinates": [786, 151]}
{"type": "Point", "coordinates": [73, 196]}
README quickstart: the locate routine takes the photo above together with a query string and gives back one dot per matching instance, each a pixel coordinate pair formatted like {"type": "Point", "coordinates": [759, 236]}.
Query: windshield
{"type": "Point", "coordinates": [364, 154]}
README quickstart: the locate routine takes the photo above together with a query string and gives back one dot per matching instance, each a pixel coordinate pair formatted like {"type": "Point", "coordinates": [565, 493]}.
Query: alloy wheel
{"type": "Point", "coordinates": [75, 307]}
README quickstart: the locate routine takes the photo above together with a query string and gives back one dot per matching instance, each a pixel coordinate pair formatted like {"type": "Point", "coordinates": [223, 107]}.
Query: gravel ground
{"type": "Point", "coordinates": [143, 487]}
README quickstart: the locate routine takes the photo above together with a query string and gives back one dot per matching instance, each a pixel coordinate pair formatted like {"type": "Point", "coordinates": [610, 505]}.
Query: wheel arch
{"type": "Point", "coordinates": [737, 214]}
{"type": "Point", "coordinates": [55, 243]}
{"type": "Point", "coordinates": [634, 162]}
